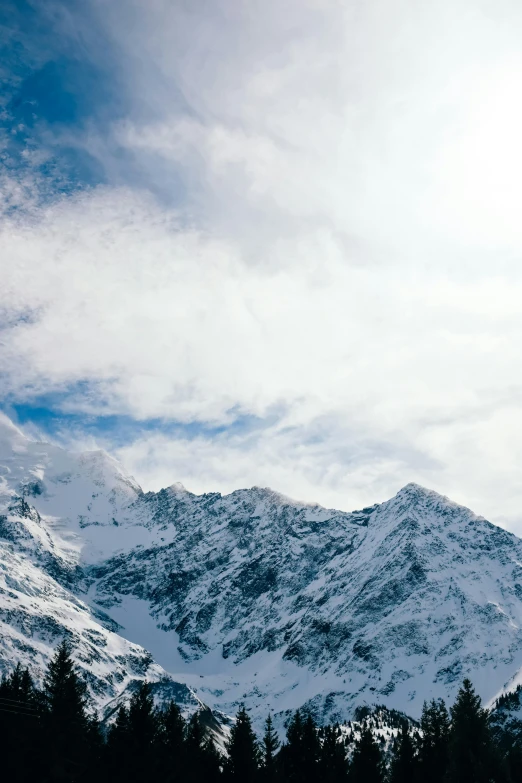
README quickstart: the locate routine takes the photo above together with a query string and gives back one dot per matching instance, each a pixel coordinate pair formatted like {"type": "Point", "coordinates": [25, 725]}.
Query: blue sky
{"type": "Point", "coordinates": [52, 85]}
{"type": "Point", "coordinates": [62, 77]}
{"type": "Point", "coordinates": [244, 244]}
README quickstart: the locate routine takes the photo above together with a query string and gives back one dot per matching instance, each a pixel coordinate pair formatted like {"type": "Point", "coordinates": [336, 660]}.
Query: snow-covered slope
{"type": "Point", "coordinates": [281, 603]}
{"type": "Point", "coordinates": [255, 597]}
{"type": "Point", "coordinates": [41, 574]}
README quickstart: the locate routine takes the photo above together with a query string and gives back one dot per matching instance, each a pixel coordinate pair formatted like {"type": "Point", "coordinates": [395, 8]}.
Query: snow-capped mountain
{"type": "Point", "coordinates": [42, 576]}
{"type": "Point", "coordinates": [252, 596]}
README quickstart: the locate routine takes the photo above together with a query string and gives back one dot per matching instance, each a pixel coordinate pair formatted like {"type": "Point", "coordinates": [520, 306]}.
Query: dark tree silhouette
{"type": "Point", "coordinates": [472, 757]}
{"type": "Point", "coordinates": [171, 744]}
{"type": "Point", "coordinates": [65, 721]}
{"type": "Point", "coordinates": [434, 741]}
{"type": "Point", "coordinates": [50, 736]}
{"type": "Point", "coordinates": [243, 752]}
{"type": "Point", "coordinates": [20, 727]}
{"type": "Point", "coordinates": [367, 764]}
{"type": "Point", "coordinates": [142, 732]}
{"type": "Point", "coordinates": [333, 764]}
{"type": "Point", "coordinates": [117, 748]}
{"type": "Point", "coordinates": [203, 760]}
{"type": "Point", "coordinates": [270, 748]}
{"type": "Point", "coordinates": [300, 754]}
{"type": "Point", "coordinates": [404, 762]}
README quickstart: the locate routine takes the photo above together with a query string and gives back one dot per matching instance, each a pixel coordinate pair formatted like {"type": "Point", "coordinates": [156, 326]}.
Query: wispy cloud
{"type": "Point", "coordinates": [313, 212]}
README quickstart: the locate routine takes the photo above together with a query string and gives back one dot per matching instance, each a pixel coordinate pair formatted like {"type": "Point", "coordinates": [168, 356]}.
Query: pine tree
{"type": "Point", "coordinates": [171, 741]}
{"type": "Point", "coordinates": [20, 727]}
{"type": "Point", "coordinates": [203, 760]}
{"type": "Point", "coordinates": [294, 732]}
{"type": "Point", "coordinates": [243, 759]}
{"type": "Point", "coordinates": [211, 762]}
{"type": "Point", "coordinates": [195, 735]}
{"type": "Point", "coordinates": [404, 762]}
{"type": "Point", "coordinates": [288, 757]}
{"type": "Point", "coordinates": [300, 754]}
{"type": "Point", "coordinates": [472, 757]}
{"type": "Point", "coordinates": [64, 693]}
{"type": "Point", "coordinates": [311, 748]}
{"type": "Point", "coordinates": [117, 749]}
{"type": "Point", "coordinates": [367, 764]}
{"type": "Point", "coordinates": [512, 763]}
{"type": "Point", "coordinates": [142, 734]}
{"type": "Point", "coordinates": [333, 764]}
{"type": "Point", "coordinates": [434, 741]}
{"type": "Point", "coordinates": [271, 745]}
{"type": "Point", "coordinates": [65, 719]}
{"type": "Point", "coordinates": [95, 768]}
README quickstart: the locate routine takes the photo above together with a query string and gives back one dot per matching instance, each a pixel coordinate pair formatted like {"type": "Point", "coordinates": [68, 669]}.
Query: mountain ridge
{"type": "Point", "coordinates": [255, 597]}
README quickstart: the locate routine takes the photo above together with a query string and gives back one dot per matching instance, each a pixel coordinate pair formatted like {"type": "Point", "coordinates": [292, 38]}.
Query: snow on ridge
{"type": "Point", "coordinates": [254, 596]}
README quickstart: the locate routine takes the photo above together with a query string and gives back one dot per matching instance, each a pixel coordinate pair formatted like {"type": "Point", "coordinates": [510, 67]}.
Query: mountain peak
{"type": "Point", "coordinates": [412, 486]}
{"type": "Point", "coordinates": [394, 603]}
{"type": "Point", "coordinates": [417, 490]}
{"type": "Point", "coordinates": [413, 492]}
{"type": "Point", "coordinates": [177, 488]}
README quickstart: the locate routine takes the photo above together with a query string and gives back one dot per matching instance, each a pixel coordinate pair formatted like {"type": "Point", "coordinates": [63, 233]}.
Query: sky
{"type": "Point", "coordinates": [265, 243]}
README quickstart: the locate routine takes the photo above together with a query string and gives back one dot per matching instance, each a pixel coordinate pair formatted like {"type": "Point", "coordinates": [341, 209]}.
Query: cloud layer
{"type": "Point", "coordinates": [306, 240]}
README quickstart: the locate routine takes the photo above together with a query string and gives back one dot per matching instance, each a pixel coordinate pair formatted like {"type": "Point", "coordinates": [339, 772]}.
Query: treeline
{"type": "Point", "coordinates": [49, 735]}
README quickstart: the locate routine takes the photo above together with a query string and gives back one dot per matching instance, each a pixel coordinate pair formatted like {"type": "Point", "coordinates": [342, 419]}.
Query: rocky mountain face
{"type": "Point", "coordinates": [252, 596]}
{"type": "Point", "coordinates": [42, 577]}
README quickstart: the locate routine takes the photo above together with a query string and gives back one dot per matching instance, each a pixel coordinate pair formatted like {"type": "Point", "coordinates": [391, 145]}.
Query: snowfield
{"type": "Point", "coordinates": [251, 596]}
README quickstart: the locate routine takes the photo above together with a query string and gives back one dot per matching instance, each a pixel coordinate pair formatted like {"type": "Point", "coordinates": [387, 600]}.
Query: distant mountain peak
{"type": "Point", "coordinates": [417, 496]}
{"type": "Point", "coordinates": [417, 491]}
{"type": "Point", "coordinates": [178, 488]}
{"type": "Point", "coordinates": [413, 488]}
{"type": "Point", "coordinates": [252, 596]}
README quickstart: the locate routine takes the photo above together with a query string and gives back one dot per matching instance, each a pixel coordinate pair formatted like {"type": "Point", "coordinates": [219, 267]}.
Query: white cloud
{"type": "Point", "coordinates": [346, 251]}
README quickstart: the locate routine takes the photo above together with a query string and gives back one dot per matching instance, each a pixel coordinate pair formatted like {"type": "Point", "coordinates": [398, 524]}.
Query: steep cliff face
{"type": "Point", "coordinates": [255, 597]}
